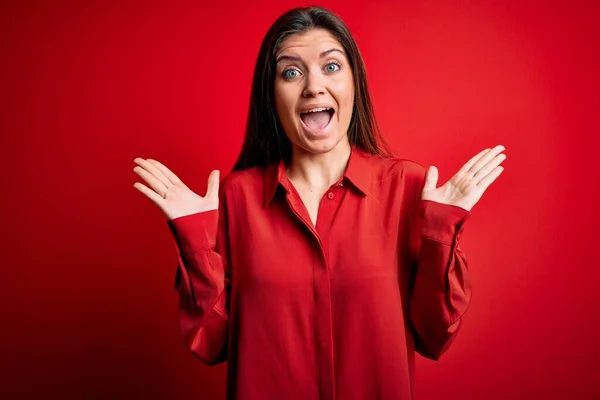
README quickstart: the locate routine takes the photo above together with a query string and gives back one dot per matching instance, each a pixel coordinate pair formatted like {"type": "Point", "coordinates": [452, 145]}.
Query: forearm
{"type": "Point", "coordinates": [202, 286]}
{"type": "Point", "coordinates": [442, 290]}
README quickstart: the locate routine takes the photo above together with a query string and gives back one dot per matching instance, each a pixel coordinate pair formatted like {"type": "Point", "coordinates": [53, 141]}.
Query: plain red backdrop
{"type": "Point", "coordinates": [88, 305]}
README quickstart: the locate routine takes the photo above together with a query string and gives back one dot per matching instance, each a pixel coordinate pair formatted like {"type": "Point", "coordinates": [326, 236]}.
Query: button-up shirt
{"type": "Point", "coordinates": [332, 311]}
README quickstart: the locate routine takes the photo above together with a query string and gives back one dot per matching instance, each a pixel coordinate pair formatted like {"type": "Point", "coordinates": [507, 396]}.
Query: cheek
{"type": "Point", "coordinates": [344, 94]}
{"type": "Point", "coordinates": [284, 104]}
{"type": "Point", "coordinates": [284, 107]}
{"type": "Point", "coordinates": [277, 98]}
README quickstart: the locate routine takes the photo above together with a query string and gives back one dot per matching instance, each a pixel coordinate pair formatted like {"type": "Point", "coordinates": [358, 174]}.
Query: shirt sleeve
{"type": "Point", "coordinates": [203, 282]}
{"type": "Point", "coordinates": [441, 292]}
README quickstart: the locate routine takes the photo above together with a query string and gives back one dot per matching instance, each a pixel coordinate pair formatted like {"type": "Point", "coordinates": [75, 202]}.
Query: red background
{"type": "Point", "coordinates": [88, 306]}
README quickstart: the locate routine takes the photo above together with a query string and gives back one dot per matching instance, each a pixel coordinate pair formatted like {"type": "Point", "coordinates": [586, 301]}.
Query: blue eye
{"type": "Point", "coordinates": [290, 73]}
{"type": "Point", "coordinates": [332, 67]}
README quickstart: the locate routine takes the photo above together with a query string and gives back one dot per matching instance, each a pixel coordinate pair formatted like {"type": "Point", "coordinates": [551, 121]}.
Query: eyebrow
{"type": "Point", "coordinates": [323, 54]}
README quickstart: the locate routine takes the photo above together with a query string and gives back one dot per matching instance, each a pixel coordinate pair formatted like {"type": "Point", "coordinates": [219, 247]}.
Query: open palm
{"type": "Point", "coordinates": [170, 194]}
{"type": "Point", "coordinates": [466, 187]}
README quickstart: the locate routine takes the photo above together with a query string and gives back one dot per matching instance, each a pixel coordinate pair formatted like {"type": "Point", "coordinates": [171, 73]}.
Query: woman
{"type": "Point", "coordinates": [321, 263]}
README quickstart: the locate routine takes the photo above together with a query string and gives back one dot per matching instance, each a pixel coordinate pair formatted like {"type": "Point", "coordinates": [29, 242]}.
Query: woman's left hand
{"type": "Point", "coordinates": [466, 187]}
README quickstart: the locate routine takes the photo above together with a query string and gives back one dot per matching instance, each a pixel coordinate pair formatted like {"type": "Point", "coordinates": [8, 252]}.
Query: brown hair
{"type": "Point", "coordinates": [265, 141]}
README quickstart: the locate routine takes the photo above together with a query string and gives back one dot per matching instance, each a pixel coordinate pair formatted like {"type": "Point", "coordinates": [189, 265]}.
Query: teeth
{"type": "Point", "coordinates": [318, 109]}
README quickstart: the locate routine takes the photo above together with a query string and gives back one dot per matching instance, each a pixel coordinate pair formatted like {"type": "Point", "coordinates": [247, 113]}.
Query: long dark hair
{"type": "Point", "coordinates": [265, 141]}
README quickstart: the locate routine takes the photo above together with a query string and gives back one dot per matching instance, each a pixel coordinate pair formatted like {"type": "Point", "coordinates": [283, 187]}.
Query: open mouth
{"type": "Point", "coordinates": [317, 119]}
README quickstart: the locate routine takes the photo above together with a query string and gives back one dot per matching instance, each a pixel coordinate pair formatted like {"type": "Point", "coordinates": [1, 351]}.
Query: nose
{"type": "Point", "coordinates": [314, 84]}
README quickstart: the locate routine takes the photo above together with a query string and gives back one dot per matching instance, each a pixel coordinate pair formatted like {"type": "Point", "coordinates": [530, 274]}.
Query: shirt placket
{"type": "Point", "coordinates": [322, 287]}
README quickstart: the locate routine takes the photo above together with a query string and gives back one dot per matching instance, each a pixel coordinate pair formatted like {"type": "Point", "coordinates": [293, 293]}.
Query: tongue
{"type": "Point", "coordinates": [316, 120]}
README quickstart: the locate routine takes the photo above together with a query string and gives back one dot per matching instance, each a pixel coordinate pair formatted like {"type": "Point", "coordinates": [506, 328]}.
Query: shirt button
{"type": "Point", "coordinates": [330, 195]}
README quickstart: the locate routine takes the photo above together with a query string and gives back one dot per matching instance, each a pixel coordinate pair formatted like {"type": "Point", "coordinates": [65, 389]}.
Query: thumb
{"type": "Point", "coordinates": [431, 178]}
{"type": "Point", "coordinates": [213, 184]}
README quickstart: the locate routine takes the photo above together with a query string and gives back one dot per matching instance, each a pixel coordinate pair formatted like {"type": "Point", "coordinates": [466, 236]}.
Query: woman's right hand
{"type": "Point", "coordinates": [170, 194]}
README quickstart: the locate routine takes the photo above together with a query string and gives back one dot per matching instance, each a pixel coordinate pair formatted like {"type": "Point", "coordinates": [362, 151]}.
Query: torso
{"type": "Point", "coordinates": [336, 294]}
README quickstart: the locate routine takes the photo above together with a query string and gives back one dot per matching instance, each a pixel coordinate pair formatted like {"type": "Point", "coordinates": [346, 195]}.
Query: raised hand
{"type": "Point", "coordinates": [170, 194]}
{"type": "Point", "coordinates": [466, 187]}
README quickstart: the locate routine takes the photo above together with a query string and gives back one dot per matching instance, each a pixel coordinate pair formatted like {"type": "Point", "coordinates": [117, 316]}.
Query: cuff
{"type": "Point", "coordinates": [442, 222]}
{"type": "Point", "coordinates": [195, 232]}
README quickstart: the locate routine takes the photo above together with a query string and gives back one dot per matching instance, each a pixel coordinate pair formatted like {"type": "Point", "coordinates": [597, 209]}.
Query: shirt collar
{"type": "Point", "coordinates": [358, 173]}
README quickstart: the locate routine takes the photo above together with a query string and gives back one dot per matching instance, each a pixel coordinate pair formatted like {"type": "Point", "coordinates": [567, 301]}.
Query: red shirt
{"type": "Point", "coordinates": [335, 311]}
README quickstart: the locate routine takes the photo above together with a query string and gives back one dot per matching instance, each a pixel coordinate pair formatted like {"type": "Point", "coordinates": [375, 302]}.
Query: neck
{"type": "Point", "coordinates": [318, 171]}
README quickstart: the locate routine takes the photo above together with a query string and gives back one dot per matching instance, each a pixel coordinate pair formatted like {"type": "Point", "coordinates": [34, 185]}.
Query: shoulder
{"type": "Point", "coordinates": [240, 184]}
{"type": "Point", "coordinates": [242, 180]}
{"type": "Point", "coordinates": [405, 169]}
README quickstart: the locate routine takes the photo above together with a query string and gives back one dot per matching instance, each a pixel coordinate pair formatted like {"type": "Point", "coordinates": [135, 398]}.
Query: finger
{"type": "Point", "coordinates": [152, 195]}
{"type": "Point", "coordinates": [431, 178]}
{"type": "Point", "coordinates": [151, 168]}
{"type": "Point", "coordinates": [151, 180]}
{"type": "Point", "coordinates": [166, 171]}
{"type": "Point", "coordinates": [485, 170]}
{"type": "Point", "coordinates": [486, 158]}
{"type": "Point", "coordinates": [213, 184]}
{"type": "Point", "coordinates": [489, 178]}
{"type": "Point", "coordinates": [472, 161]}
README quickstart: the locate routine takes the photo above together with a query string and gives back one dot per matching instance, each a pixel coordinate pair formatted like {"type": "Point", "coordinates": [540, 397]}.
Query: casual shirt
{"type": "Point", "coordinates": [332, 311]}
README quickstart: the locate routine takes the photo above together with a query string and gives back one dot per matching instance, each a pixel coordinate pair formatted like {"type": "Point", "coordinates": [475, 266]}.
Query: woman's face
{"type": "Point", "coordinates": [314, 90]}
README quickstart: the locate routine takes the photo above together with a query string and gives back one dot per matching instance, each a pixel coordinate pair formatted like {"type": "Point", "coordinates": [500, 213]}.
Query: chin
{"type": "Point", "coordinates": [321, 145]}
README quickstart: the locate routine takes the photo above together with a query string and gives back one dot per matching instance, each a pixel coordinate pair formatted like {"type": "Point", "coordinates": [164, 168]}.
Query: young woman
{"type": "Point", "coordinates": [321, 263]}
